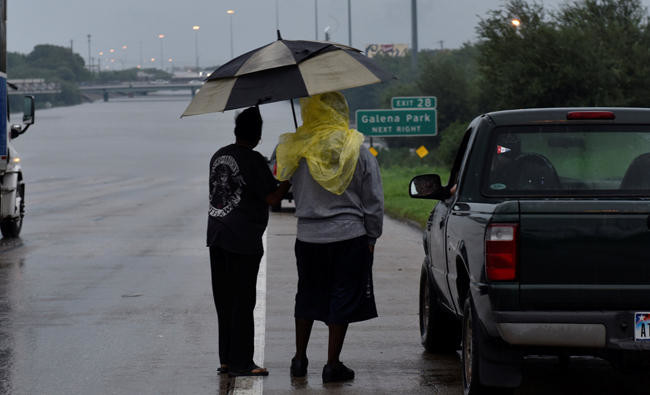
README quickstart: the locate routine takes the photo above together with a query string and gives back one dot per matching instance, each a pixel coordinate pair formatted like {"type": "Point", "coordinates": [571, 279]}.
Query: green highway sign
{"type": "Point", "coordinates": [400, 122]}
{"type": "Point", "coordinates": [414, 102]}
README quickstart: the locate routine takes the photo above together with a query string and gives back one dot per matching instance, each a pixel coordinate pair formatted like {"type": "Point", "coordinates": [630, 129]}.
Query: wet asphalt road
{"type": "Point", "coordinates": [108, 289]}
{"type": "Point", "coordinates": [384, 352]}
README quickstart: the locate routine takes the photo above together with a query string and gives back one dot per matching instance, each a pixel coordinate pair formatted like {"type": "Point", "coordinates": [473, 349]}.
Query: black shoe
{"type": "Point", "coordinates": [299, 367]}
{"type": "Point", "coordinates": [337, 372]}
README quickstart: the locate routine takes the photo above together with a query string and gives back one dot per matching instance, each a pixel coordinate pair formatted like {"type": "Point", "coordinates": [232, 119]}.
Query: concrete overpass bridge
{"type": "Point", "coordinates": [33, 86]}
{"type": "Point", "coordinates": [139, 88]}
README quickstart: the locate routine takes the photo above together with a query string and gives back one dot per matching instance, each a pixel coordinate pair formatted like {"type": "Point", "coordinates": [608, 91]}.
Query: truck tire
{"type": "Point", "coordinates": [439, 329]}
{"type": "Point", "coordinates": [473, 341]}
{"type": "Point", "coordinates": [10, 228]}
{"type": "Point", "coordinates": [470, 349]}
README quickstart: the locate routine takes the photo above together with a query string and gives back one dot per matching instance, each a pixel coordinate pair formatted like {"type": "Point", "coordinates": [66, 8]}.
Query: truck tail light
{"type": "Point", "coordinates": [275, 168]}
{"type": "Point", "coordinates": [501, 252]}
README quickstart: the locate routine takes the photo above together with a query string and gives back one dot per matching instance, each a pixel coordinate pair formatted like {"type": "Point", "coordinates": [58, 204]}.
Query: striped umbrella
{"type": "Point", "coordinates": [284, 70]}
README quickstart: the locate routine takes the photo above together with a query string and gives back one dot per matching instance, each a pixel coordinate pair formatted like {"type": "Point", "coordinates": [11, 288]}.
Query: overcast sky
{"type": "Point", "coordinates": [136, 24]}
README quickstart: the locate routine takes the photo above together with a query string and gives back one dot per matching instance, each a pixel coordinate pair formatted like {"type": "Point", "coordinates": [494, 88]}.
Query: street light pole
{"type": "Point", "coordinates": [90, 62]}
{"type": "Point", "coordinates": [141, 56]}
{"type": "Point", "coordinates": [196, 45]}
{"type": "Point", "coordinates": [162, 66]}
{"type": "Point", "coordinates": [124, 59]}
{"type": "Point", "coordinates": [112, 59]}
{"type": "Point", "coordinates": [232, 49]}
{"type": "Point", "coordinates": [349, 23]}
{"type": "Point", "coordinates": [414, 32]}
{"type": "Point", "coordinates": [316, 18]}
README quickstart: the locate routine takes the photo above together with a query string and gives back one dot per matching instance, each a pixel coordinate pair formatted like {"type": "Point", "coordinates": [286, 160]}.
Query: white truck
{"type": "Point", "coordinates": [12, 186]}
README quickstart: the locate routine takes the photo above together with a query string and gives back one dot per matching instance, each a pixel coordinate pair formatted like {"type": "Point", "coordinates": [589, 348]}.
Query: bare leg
{"type": "Point", "coordinates": [336, 337]}
{"type": "Point", "coordinates": [303, 331]}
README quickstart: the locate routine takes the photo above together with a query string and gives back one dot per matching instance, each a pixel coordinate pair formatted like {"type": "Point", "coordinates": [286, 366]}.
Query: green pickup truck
{"type": "Point", "coordinates": [540, 243]}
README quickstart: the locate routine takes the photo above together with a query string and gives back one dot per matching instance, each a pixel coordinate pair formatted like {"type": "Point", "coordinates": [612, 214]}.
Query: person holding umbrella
{"type": "Point", "coordinates": [241, 189]}
{"type": "Point", "coordinates": [339, 205]}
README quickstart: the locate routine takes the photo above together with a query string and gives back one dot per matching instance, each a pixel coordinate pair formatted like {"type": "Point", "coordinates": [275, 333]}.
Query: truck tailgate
{"type": "Point", "coordinates": [584, 254]}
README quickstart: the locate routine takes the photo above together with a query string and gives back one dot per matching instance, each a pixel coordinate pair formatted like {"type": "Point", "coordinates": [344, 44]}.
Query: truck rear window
{"type": "Point", "coordinates": [580, 160]}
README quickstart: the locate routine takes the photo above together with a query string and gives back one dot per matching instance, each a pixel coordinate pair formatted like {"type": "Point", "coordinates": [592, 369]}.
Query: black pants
{"type": "Point", "coordinates": [234, 279]}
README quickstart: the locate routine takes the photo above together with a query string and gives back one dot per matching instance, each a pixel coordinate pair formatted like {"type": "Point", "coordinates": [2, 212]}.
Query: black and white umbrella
{"type": "Point", "coordinates": [284, 70]}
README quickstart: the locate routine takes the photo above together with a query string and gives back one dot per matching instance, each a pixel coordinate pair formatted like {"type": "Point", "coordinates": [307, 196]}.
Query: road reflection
{"type": "Point", "coordinates": [444, 375]}
{"type": "Point", "coordinates": [9, 244]}
{"type": "Point", "coordinates": [10, 273]}
{"type": "Point", "coordinates": [226, 384]}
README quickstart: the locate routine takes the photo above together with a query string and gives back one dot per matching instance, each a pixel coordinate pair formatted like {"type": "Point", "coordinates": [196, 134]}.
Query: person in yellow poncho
{"type": "Point", "coordinates": [339, 205]}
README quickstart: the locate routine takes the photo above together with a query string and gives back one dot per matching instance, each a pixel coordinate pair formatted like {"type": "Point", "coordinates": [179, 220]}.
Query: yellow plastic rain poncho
{"type": "Point", "coordinates": [329, 146]}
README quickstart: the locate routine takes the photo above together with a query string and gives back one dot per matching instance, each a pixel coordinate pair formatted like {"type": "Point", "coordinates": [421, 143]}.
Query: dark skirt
{"type": "Point", "coordinates": [335, 281]}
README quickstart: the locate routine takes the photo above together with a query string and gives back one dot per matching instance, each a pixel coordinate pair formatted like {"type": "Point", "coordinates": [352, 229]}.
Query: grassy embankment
{"type": "Point", "coordinates": [397, 202]}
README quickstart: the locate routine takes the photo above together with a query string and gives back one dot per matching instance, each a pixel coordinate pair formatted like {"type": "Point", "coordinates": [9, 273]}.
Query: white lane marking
{"type": "Point", "coordinates": [255, 385]}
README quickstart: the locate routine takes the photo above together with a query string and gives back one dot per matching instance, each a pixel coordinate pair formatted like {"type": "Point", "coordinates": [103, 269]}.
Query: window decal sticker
{"type": "Point", "coordinates": [502, 150]}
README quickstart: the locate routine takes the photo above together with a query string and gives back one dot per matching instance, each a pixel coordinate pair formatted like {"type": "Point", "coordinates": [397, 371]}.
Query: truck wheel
{"type": "Point", "coordinates": [439, 330]}
{"type": "Point", "coordinates": [470, 351]}
{"type": "Point", "coordinates": [11, 227]}
{"type": "Point", "coordinates": [473, 345]}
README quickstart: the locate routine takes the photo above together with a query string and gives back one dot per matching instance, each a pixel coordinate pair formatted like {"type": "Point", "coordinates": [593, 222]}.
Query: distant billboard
{"type": "Point", "coordinates": [386, 49]}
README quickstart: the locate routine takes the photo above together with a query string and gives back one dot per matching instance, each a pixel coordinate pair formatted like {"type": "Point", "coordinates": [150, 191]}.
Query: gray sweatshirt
{"type": "Point", "coordinates": [324, 217]}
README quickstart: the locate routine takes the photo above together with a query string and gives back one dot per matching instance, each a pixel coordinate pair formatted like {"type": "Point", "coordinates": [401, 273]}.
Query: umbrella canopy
{"type": "Point", "coordinates": [284, 70]}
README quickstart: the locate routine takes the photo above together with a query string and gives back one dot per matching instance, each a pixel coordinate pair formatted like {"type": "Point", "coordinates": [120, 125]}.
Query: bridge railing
{"type": "Point", "coordinates": [33, 86]}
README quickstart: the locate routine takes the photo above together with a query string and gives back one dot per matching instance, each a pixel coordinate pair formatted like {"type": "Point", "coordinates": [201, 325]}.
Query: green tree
{"type": "Point", "coordinates": [607, 43]}
{"type": "Point", "coordinates": [518, 66]}
{"type": "Point", "coordinates": [449, 142]}
{"type": "Point", "coordinates": [450, 75]}
{"type": "Point", "coordinates": [16, 61]}
{"type": "Point", "coordinates": [58, 62]}
{"type": "Point", "coordinates": [54, 64]}
{"type": "Point", "coordinates": [588, 53]}
{"type": "Point", "coordinates": [372, 96]}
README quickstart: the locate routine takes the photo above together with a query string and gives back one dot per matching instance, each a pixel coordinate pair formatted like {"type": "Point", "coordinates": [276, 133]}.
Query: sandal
{"type": "Point", "coordinates": [253, 371]}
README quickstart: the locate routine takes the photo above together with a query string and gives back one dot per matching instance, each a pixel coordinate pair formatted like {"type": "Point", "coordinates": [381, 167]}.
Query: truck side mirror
{"type": "Point", "coordinates": [427, 186]}
{"type": "Point", "coordinates": [28, 110]}
{"type": "Point", "coordinates": [28, 118]}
